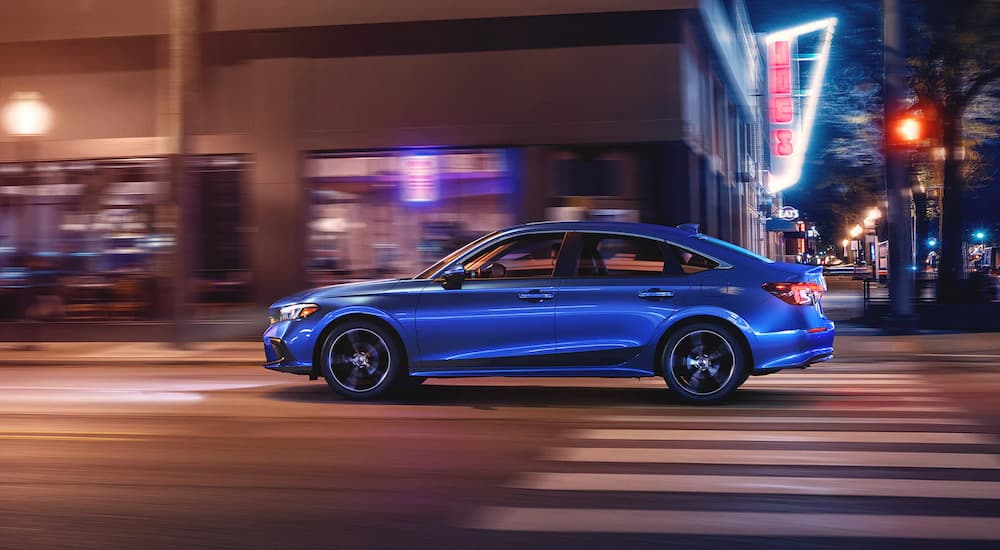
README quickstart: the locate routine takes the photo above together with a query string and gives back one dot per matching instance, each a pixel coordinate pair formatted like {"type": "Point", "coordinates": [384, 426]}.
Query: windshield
{"type": "Point", "coordinates": [451, 257]}
{"type": "Point", "coordinates": [733, 248]}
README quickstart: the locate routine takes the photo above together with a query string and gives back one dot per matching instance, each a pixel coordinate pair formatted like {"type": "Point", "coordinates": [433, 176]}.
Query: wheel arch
{"type": "Point", "coordinates": [348, 317]}
{"type": "Point", "coordinates": [680, 324]}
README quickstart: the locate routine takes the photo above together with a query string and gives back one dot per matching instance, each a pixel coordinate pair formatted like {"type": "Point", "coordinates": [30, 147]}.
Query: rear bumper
{"type": "Point", "coordinates": [278, 356]}
{"type": "Point", "coordinates": [791, 349]}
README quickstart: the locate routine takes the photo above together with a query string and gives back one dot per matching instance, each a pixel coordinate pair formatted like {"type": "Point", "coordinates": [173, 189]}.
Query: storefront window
{"type": "Point", "coordinates": [393, 213]}
{"type": "Point", "coordinates": [91, 239]}
{"type": "Point", "coordinates": [78, 239]}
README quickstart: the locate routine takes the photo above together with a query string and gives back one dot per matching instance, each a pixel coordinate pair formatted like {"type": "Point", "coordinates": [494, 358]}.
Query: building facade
{"type": "Point", "coordinates": [336, 140]}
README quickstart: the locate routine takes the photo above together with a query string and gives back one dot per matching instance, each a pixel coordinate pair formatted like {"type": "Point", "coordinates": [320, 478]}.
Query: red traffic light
{"type": "Point", "coordinates": [909, 129]}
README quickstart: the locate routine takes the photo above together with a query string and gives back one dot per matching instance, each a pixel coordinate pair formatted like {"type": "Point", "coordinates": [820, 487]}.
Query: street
{"type": "Point", "coordinates": [875, 445]}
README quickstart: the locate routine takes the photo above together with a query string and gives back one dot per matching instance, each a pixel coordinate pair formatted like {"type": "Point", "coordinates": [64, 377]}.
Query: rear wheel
{"type": "Point", "coordinates": [704, 363]}
{"type": "Point", "coordinates": [361, 360]}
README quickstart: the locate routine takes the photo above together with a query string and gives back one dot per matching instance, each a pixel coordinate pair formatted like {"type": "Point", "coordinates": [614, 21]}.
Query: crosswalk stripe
{"type": "Point", "coordinates": [784, 436]}
{"type": "Point", "coordinates": [563, 520]}
{"type": "Point", "coordinates": [818, 407]}
{"type": "Point", "coordinates": [757, 457]}
{"type": "Point", "coordinates": [840, 390]}
{"type": "Point", "coordinates": [732, 419]}
{"type": "Point", "coordinates": [806, 381]}
{"type": "Point", "coordinates": [772, 485]}
{"type": "Point", "coordinates": [826, 375]}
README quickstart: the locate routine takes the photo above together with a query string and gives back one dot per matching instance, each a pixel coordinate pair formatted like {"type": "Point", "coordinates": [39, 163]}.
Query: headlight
{"type": "Point", "coordinates": [297, 311]}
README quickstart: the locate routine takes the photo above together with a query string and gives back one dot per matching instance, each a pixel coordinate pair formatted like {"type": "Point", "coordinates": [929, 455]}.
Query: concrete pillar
{"type": "Point", "coordinates": [182, 90]}
{"type": "Point", "coordinates": [276, 193]}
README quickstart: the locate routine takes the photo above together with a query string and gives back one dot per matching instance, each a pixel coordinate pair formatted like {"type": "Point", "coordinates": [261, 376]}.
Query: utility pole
{"type": "Point", "coordinates": [182, 86]}
{"type": "Point", "coordinates": [898, 189]}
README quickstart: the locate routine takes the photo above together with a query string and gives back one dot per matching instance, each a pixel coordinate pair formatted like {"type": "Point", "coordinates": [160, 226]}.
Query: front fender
{"type": "Point", "coordinates": [400, 321]}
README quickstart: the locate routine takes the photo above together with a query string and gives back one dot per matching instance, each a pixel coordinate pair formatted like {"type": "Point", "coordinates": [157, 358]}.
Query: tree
{"type": "Point", "coordinates": [956, 63]}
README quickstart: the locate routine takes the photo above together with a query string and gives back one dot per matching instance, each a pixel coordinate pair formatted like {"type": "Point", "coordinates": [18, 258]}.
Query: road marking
{"type": "Point", "coordinates": [756, 457]}
{"type": "Point", "coordinates": [567, 520]}
{"type": "Point", "coordinates": [824, 406]}
{"type": "Point", "coordinates": [845, 391]}
{"type": "Point", "coordinates": [959, 355]}
{"type": "Point", "coordinates": [771, 485]}
{"type": "Point", "coordinates": [784, 436]}
{"type": "Point", "coordinates": [728, 419]}
{"type": "Point", "coordinates": [57, 437]}
{"type": "Point", "coordinates": [845, 381]}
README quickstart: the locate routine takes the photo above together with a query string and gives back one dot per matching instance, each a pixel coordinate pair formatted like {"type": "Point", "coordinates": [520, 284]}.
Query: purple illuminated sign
{"type": "Point", "coordinates": [420, 179]}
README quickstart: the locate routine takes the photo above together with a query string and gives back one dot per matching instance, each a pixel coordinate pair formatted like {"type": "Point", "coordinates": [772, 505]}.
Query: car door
{"type": "Point", "coordinates": [610, 307]}
{"type": "Point", "coordinates": [502, 319]}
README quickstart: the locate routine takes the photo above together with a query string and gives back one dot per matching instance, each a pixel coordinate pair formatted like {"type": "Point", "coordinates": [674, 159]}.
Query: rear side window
{"type": "Point", "coordinates": [692, 262]}
{"type": "Point", "coordinates": [619, 256]}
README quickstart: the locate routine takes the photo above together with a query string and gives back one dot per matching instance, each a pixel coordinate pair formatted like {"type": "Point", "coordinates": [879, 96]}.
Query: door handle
{"type": "Point", "coordinates": [656, 293]}
{"type": "Point", "coordinates": [536, 295]}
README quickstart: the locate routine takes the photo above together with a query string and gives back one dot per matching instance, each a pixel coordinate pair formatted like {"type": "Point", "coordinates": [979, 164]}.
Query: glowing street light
{"type": "Point", "coordinates": [844, 244]}
{"type": "Point", "coordinates": [856, 231]}
{"type": "Point", "coordinates": [980, 235]}
{"type": "Point", "coordinates": [26, 115]}
{"type": "Point", "coordinates": [932, 242]}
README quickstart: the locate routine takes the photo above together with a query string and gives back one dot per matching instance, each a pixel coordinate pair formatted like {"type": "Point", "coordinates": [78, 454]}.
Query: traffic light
{"type": "Point", "coordinates": [908, 130]}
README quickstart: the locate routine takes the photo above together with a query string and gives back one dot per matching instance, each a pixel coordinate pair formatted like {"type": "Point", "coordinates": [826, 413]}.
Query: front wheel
{"type": "Point", "coordinates": [704, 363]}
{"type": "Point", "coordinates": [361, 360]}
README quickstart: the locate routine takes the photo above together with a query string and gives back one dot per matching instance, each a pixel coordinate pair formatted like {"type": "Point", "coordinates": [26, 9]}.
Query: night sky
{"type": "Point", "coordinates": [855, 70]}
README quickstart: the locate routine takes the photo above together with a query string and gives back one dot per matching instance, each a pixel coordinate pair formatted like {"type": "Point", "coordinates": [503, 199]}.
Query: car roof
{"type": "Point", "coordinates": [648, 229]}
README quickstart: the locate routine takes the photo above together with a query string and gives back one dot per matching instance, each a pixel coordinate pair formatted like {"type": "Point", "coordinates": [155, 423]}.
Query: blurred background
{"type": "Point", "coordinates": [193, 160]}
{"type": "Point", "coordinates": [220, 154]}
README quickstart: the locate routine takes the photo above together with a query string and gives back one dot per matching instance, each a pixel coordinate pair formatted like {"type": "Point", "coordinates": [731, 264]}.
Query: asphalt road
{"type": "Point", "coordinates": [886, 451]}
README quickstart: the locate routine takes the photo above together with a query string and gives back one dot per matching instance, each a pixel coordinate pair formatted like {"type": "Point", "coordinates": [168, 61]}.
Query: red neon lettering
{"type": "Point", "coordinates": [781, 54]}
{"type": "Point", "coordinates": [781, 80]}
{"type": "Point", "coordinates": [781, 109]}
{"type": "Point", "coordinates": [783, 143]}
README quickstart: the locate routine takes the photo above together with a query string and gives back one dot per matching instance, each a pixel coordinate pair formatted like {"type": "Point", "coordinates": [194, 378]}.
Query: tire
{"type": "Point", "coordinates": [704, 363]}
{"type": "Point", "coordinates": [361, 360]}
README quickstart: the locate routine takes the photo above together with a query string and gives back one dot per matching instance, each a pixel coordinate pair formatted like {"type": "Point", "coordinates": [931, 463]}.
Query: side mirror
{"type": "Point", "coordinates": [453, 277]}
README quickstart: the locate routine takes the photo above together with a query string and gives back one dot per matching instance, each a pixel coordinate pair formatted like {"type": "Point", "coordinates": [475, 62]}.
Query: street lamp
{"type": "Point", "coordinates": [27, 115]}
{"type": "Point", "coordinates": [844, 244]}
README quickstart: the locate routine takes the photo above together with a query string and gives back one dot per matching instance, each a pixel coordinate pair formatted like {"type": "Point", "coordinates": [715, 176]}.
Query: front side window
{"type": "Point", "coordinates": [619, 256]}
{"type": "Point", "coordinates": [521, 257]}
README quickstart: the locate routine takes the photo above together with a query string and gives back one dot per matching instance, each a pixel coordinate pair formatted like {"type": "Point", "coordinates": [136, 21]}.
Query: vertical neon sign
{"type": "Point", "coordinates": [420, 179]}
{"type": "Point", "coordinates": [791, 108]}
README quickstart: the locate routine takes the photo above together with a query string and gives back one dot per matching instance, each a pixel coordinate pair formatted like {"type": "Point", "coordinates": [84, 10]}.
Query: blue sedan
{"type": "Point", "coordinates": [563, 299]}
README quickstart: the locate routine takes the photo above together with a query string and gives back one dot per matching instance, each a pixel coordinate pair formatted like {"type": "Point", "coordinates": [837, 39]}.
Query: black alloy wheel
{"type": "Point", "coordinates": [704, 363]}
{"type": "Point", "coordinates": [361, 360]}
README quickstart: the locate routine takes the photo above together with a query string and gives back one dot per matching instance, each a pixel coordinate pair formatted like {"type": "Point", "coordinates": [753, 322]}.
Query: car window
{"type": "Point", "coordinates": [692, 262]}
{"type": "Point", "coordinates": [517, 258]}
{"type": "Point", "coordinates": [619, 256]}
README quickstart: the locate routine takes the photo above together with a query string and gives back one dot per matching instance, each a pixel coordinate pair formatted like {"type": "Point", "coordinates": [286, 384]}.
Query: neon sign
{"type": "Point", "coordinates": [788, 213]}
{"type": "Point", "coordinates": [791, 110]}
{"type": "Point", "coordinates": [420, 179]}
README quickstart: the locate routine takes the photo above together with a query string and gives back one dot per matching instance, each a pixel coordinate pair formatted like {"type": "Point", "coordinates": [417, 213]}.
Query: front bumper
{"type": "Point", "coordinates": [278, 353]}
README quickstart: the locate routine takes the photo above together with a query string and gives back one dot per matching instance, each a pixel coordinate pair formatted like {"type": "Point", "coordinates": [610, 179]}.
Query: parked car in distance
{"type": "Point", "coordinates": [563, 299]}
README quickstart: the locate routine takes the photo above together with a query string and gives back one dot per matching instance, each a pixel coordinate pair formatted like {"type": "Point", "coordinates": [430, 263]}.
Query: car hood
{"type": "Point", "coordinates": [333, 291]}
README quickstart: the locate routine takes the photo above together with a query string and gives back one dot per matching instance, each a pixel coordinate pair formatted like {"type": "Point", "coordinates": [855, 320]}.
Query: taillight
{"type": "Point", "coordinates": [797, 294]}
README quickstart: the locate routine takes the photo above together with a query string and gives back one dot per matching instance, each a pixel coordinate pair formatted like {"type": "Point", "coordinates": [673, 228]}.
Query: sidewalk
{"type": "Point", "coordinates": [131, 353]}
{"type": "Point", "coordinates": [853, 344]}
